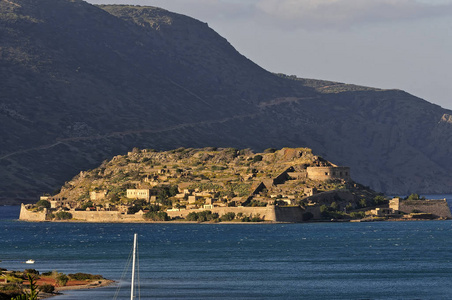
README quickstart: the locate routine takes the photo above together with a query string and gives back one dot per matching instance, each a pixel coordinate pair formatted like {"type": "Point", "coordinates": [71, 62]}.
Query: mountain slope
{"type": "Point", "coordinates": [81, 83]}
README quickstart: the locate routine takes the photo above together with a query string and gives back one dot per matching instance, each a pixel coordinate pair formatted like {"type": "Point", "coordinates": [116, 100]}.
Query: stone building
{"type": "Point", "coordinates": [93, 196]}
{"type": "Point", "coordinates": [192, 199]}
{"type": "Point", "coordinates": [57, 202]}
{"type": "Point", "coordinates": [310, 191]}
{"type": "Point", "coordinates": [138, 194]}
{"type": "Point", "coordinates": [327, 173]}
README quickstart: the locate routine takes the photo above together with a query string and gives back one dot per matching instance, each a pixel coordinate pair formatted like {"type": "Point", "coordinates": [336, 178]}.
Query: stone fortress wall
{"type": "Point", "coordinates": [85, 216]}
{"type": "Point", "coordinates": [269, 213]}
{"type": "Point", "coordinates": [438, 208]}
{"type": "Point", "coordinates": [266, 213]}
{"type": "Point", "coordinates": [105, 216]}
{"type": "Point", "coordinates": [290, 214]}
{"type": "Point", "coordinates": [32, 216]}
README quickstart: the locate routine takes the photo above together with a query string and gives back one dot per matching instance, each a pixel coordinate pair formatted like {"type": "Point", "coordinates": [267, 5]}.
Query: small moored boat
{"type": "Point", "coordinates": [30, 261]}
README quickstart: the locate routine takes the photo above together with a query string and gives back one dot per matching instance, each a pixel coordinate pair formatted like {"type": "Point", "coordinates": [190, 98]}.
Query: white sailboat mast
{"type": "Point", "coordinates": [133, 266]}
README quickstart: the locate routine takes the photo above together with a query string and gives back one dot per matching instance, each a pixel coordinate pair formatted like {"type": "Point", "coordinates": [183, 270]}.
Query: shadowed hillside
{"type": "Point", "coordinates": [82, 83]}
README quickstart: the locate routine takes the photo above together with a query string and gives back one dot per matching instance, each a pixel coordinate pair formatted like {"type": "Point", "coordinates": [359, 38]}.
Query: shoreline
{"type": "Point", "coordinates": [94, 284]}
{"type": "Point", "coordinates": [238, 222]}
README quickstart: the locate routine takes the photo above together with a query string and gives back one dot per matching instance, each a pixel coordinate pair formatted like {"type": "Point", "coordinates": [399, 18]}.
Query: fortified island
{"type": "Point", "coordinates": [223, 184]}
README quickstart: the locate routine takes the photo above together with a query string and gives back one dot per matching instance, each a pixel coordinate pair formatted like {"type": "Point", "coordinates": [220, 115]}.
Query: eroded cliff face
{"type": "Point", "coordinates": [82, 83]}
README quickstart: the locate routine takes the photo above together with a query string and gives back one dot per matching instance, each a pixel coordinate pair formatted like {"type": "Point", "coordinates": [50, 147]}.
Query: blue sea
{"type": "Point", "coordinates": [380, 260]}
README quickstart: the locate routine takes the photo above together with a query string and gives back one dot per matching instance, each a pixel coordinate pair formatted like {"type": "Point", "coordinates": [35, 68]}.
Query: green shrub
{"type": "Point", "coordinates": [228, 216]}
{"type": "Point", "coordinates": [87, 204]}
{"type": "Point", "coordinates": [32, 271]}
{"type": "Point", "coordinates": [47, 288]}
{"type": "Point", "coordinates": [192, 216]}
{"type": "Point", "coordinates": [63, 215]}
{"type": "Point", "coordinates": [256, 218]}
{"type": "Point", "coordinates": [257, 158]}
{"type": "Point", "coordinates": [61, 279]}
{"type": "Point", "coordinates": [156, 216]}
{"type": "Point", "coordinates": [380, 200]}
{"type": "Point", "coordinates": [9, 287]}
{"type": "Point", "coordinates": [202, 216]}
{"type": "Point", "coordinates": [270, 150]}
{"type": "Point", "coordinates": [84, 276]}
{"type": "Point", "coordinates": [218, 168]}
{"type": "Point", "coordinates": [357, 214]}
{"type": "Point", "coordinates": [414, 197]}
{"type": "Point", "coordinates": [362, 203]}
{"type": "Point", "coordinates": [43, 204]}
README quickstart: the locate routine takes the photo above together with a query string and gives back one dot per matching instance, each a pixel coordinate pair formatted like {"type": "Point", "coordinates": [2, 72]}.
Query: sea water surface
{"type": "Point", "coordinates": [380, 260]}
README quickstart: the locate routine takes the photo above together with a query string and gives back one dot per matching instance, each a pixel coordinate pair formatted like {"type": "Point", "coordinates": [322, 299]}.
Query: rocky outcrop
{"type": "Point", "coordinates": [446, 119]}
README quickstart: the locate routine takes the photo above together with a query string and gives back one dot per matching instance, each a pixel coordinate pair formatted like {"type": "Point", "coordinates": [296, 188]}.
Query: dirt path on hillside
{"type": "Point", "coordinates": [128, 132]}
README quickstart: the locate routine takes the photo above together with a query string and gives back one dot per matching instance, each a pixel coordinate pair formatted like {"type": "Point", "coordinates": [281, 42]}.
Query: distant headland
{"type": "Point", "coordinates": [223, 185]}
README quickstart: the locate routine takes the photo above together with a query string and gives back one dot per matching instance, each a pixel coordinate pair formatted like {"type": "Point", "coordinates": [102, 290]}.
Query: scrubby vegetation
{"type": "Point", "coordinates": [30, 283]}
{"type": "Point", "coordinates": [63, 215]}
{"type": "Point", "coordinates": [156, 216]}
{"type": "Point", "coordinates": [84, 276]}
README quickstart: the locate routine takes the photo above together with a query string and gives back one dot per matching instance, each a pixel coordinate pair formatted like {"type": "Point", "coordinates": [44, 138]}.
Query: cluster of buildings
{"type": "Point", "coordinates": [198, 199]}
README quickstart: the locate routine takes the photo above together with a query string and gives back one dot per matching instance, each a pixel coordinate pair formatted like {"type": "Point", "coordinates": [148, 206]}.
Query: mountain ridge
{"type": "Point", "coordinates": [82, 83]}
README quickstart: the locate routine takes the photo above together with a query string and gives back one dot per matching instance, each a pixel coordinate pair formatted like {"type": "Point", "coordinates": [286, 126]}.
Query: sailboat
{"type": "Point", "coordinates": [134, 271]}
{"type": "Point", "coordinates": [132, 286]}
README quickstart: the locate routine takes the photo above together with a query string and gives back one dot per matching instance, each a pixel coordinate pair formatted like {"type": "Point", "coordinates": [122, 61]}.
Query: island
{"type": "Point", "coordinates": [47, 284]}
{"type": "Point", "coordinates": [223, 185]}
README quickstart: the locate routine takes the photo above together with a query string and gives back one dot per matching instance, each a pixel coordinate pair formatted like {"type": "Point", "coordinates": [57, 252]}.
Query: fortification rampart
{"type": "Point", "coordinates": [438, 208]}
{"type": "Point", "coordinates": [267, 213]}
{"type": "Point", "coordinates": [327, 173]}
{"type": "Point", "coordinates": [105, 216]}
{"type": "Point", "coordinates": [292, 214]}
{"type": "Point", "coordinates": [85, 216]}
{"type": "Point", "coordinates": [33, 216]}
{"type": "Point", "coordinates": [339, 196]}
